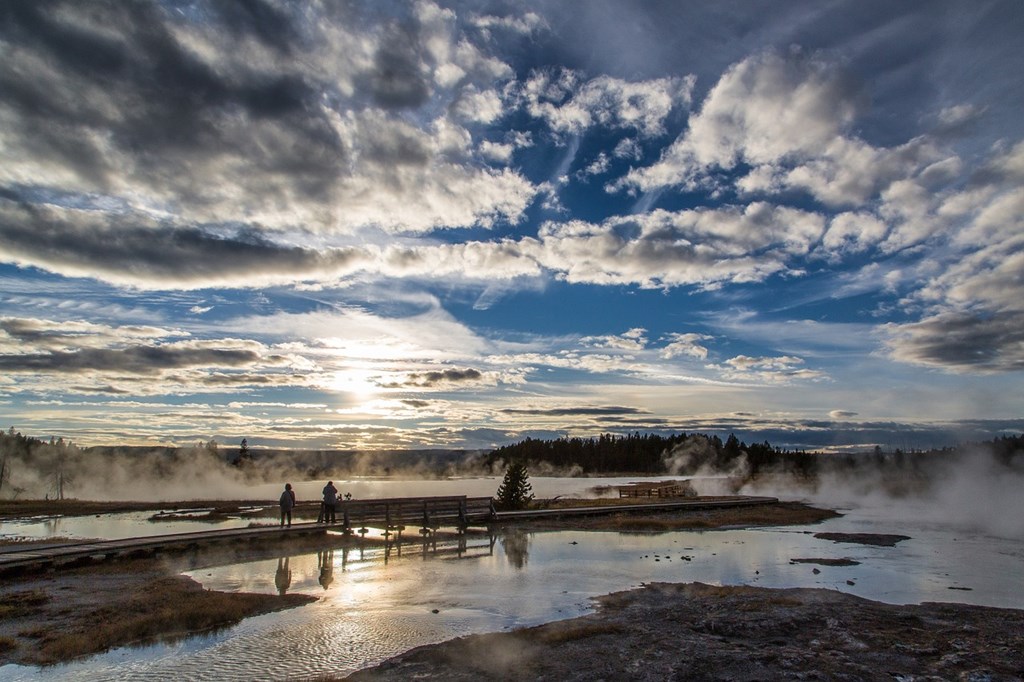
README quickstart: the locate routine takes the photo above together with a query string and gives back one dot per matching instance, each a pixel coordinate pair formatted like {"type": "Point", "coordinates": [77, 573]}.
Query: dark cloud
{"type": "Point", "coordinates": [108, 390]}
{"type": "Point", "coordinates": [146, 360]}
{"type": "Point", "coordinates": [33, 332]}
{"type": "Point", "coordinates": [259, 19]}
{"type": "Point", "coordinates": [447, 376]}
{"type": "Point", "coordinates": [251, 379]}
{"type": "Point", "coordinates": [146, 253]}
{"type": "Point", "coordinates": [96, 100]}
{"type": "Point", "coordinates": [398, 79]}
{"type": "Point", "coordinates": [575, 411]}
{"type": "Point", "coordinates": [963, 342]}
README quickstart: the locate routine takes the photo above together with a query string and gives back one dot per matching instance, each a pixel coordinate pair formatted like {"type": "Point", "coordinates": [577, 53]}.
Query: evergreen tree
{"type": "Point", "coordinates": [244, 456]}
{"type": "Point", "coordinates": [515, 491]}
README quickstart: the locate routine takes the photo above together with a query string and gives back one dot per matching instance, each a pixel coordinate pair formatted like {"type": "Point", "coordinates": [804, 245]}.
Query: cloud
{"type": "Point", "coordinates": [762, 110]}
{"type": "Point", "coordinates": [524, 23]}
{"type": "Point", "coordinates": [20, 334]}
{"type": "Point", "coordinates": [442, 377]}
{"type": "Point", "coordinates": [298, 117]}
{"type": "Point", "coordinates": [138, 360]}
{"type": "Point", "coordinates": [571, 105]}
{"type": "Point", "coordinates": [137, 250]}
{"type": "Point", "coordinates": [685, 344]}
{"type": "Point", "coordinates": [778, 369]}
{"type": "Point", "coordinates": [961, 342]}
{"type": "Point", "coordinates": [703, 246]}
{"type": "Point", "coordinates": [788, 117]}
{"type": "Point", "coordinates": [633, 339]}
{"type": "Point", "coordinates": [573, 411]}
{"type": "Point", "coordinates": [974, 303]}
{"type": "Point", "coordinates": [135, 360]}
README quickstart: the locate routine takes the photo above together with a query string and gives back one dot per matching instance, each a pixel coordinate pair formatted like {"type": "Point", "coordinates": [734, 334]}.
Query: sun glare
{"type": "Point", "coordinates": [360, 383]}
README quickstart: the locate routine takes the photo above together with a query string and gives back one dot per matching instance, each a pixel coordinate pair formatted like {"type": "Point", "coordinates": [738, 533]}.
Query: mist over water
{"type": "Point", "coordinates": [971, 493]}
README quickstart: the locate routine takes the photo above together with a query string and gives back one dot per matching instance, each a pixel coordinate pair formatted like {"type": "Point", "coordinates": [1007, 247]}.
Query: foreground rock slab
{"type": "Point", "coordinates": [703, 632]}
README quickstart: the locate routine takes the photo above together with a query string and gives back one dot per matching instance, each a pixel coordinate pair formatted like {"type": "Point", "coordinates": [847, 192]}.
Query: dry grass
{"type": "Point", "coordinates": [125, 603]}
{"type": "Point", "coordinates": [18, 604]}
{"type": "Point", "coordinates": [7, 644]}
{"type": "Point", "coordinates": [171, 608]}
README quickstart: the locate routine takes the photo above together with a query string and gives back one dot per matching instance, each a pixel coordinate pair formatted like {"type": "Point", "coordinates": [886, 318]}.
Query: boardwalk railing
{"type": "Point", "coordinates": [429, 513]}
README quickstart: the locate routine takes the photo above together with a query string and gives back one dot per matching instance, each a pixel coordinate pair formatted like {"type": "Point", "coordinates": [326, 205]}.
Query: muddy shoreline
{"type": "Point", "coordinates": [703, 632]}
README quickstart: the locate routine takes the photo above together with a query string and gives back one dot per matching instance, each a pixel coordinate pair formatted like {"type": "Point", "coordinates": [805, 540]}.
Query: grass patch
{"type": "Point", "coordinates": [7, 644]}
{"type": "Point", "coordinates": [22, 603]}
{"type": "Point", "coordinates": [165, 613]}
{"type": "Point", "coordinates": [167, 609]}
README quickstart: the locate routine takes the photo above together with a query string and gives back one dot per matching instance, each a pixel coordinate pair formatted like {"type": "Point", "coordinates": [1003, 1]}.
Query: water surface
{"type": "Point", "coordinates": [376, 602]}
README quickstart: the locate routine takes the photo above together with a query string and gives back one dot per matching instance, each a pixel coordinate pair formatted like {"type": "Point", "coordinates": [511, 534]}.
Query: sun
{"type": "Point", "coordinates": [359, 383]}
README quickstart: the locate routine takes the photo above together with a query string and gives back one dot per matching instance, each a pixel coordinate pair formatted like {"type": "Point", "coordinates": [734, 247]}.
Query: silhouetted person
{"type": "Point", "coordinates": [330, 502]}
{"type": "Point", "coordinates": [283, 576]}
{"type": "Point", "coordinates": [287, 504]}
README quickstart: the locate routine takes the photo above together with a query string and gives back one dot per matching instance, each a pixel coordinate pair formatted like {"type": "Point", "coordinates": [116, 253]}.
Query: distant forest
{"type": "Point", "coordinates": [684, 454]}
{"type": "Point", "coordinates": [652, 454]}
{"type": "Point", "coordinates": [30, 467]}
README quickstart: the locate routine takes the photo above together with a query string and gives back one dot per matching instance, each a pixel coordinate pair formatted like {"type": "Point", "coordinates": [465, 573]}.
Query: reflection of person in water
{"type": "Point", "coordinates": [283, 577]}
{"type": "Point", "coordinates": [325, 561]}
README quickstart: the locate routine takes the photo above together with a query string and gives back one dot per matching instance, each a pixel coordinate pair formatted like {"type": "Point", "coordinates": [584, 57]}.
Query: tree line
{"type": "Point", "coordinates": [688, 454]}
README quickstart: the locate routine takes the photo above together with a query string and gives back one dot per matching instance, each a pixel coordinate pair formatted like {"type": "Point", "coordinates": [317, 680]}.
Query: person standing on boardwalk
{"type": "Point", "coordinates": [287, 504]}
{"type": "Point", "coordinates": [330, 502]}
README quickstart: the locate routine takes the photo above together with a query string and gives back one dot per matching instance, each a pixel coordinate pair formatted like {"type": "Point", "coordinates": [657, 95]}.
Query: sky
{"type": "Point", "coordinates": [376, 224]}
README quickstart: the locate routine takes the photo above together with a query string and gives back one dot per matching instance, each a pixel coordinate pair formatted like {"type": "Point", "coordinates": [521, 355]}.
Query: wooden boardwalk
{"type": "Point", "coordinates": [391, 515]}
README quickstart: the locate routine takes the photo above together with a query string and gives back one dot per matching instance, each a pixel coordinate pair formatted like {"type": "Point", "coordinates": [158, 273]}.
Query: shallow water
{"type": "Point", "coordinates": [137, 524]}
{"type": "Point", "coordinates": [379, 602]}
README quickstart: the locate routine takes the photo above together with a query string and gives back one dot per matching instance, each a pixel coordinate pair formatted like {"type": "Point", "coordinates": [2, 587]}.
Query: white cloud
{"type": "Point", "coordinates": [686, 344]}
{"type": "Point", "coordinates": [790, 118]}
{"type": "Point", "coordinates": [570, 105]}
{"type": "Point", "coordinates": [762, 110]}
{"type": "Point", "coordinates": [525, 23]}
{"type": "Point", "coordinates": [780, 369]}
{"type": "Point", "coordinates": [632, 340]}
{"type": "Point", "coordinates": [853, 233]}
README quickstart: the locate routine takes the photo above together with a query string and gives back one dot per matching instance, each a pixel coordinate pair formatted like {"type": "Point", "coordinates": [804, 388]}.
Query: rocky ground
{"type": "Point", "coordinates": [702, 632]}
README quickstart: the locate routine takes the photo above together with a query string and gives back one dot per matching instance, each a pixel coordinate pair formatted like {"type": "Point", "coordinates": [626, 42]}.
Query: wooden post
{"type": "Point", "coordinates": [426, 520]}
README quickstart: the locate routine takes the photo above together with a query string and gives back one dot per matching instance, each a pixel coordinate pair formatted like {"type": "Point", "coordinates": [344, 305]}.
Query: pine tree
{"type": "Point", "coordinates": [515, 491]}
{"type": "Point", "coordinates": [244, 456]}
